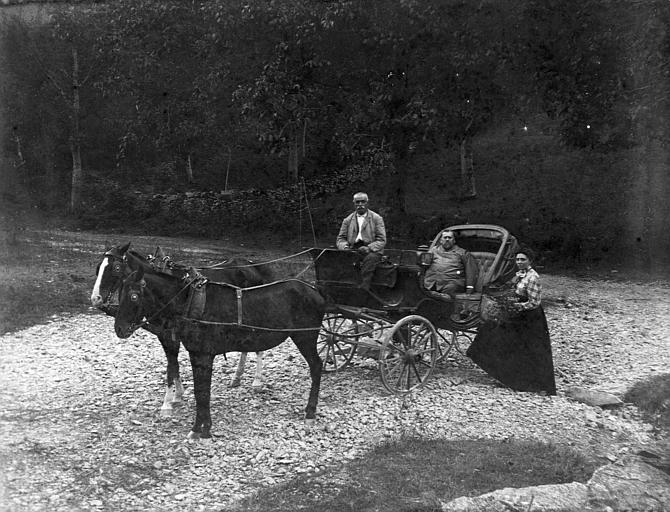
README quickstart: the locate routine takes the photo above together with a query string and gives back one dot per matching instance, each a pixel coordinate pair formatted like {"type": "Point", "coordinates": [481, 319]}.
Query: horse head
{"type": "Point", "coordinates": [109, 274]}
{"type": "Point", "coordinates": [131, 304]}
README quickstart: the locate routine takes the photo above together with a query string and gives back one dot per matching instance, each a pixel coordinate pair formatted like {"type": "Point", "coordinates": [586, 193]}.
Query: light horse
{"type": "Point", "coordinates": [237, 271]}
{"type": "Point", "coordinates": [215, 318]}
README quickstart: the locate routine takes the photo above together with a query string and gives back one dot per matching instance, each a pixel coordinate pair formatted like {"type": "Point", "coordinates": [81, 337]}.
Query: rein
{"type": "Point", "coordinates": [216, 265]}
{"type": "Point", "coordinates": [166, 265]}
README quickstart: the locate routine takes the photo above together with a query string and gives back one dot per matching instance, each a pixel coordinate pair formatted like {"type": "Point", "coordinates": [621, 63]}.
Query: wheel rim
{"type": "Point", "coordinates": [335, 343]}
{"type": "Point", "coordinates": [408, 355]}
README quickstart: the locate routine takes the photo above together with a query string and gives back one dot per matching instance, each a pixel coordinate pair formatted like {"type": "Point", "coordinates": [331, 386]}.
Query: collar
{"type": "Point", "coordinates": [523, 273]}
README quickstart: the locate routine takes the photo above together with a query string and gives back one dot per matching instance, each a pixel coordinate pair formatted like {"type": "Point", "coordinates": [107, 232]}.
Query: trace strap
{"type": "Point", "coordinates": [254, 327]}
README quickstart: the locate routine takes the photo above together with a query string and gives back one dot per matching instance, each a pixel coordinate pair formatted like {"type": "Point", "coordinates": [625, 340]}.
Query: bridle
{"type": "Point", "coordinates": [136, 295]}
{"type": "Point", "coordinates": [118, 264]}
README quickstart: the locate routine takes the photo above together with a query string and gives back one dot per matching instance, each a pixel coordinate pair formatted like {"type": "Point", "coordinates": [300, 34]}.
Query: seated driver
{"type": "Point", "coordinates": [364, 232]}
{"type": "Point", "coordinates": [453, 269]}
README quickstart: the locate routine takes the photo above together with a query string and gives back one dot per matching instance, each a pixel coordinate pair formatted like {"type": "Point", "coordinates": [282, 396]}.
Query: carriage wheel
{"type": "Point", "coordinates": [446, 341]}
{"type": "Point", "coordinates": [337, 342]}
{"type": "Point", "coordinates": [408, 355]}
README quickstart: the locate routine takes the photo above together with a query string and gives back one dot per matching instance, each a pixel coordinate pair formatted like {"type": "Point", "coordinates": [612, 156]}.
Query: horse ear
{"type": "Point", "coordinates": [124, 248]}
{"type": "Point", "coordinates": [159, 254]}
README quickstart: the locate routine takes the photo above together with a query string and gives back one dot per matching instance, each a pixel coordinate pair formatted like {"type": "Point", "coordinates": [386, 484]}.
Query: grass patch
{"type": "Point", "coordinates": [415, 475]}
{"type": "Point", "coordinates": [37, 281]}
{"type": "Point", "coordinates": [652, 397]}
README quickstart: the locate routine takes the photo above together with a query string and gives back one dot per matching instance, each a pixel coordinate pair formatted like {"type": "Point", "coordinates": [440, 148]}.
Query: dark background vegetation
{"type": "Point", "coordinates": [209, 118]}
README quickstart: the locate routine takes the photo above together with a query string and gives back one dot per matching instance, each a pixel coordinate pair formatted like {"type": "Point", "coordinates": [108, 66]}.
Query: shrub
{"type": "Point", "coordinates": [652, 397]}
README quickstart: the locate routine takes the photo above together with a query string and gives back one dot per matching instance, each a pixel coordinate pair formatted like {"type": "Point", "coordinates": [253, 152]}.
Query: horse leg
{"type": "Point", "coordinates": [257, 384]}
{"type": "Point", "coordinates": [174, 390]}
{"type": "Point", "coordinates": [306, 343]}
{"type": "Point", "coordinates": [202, 364]}
{"type": "Point", "coordinates": [235, 381]}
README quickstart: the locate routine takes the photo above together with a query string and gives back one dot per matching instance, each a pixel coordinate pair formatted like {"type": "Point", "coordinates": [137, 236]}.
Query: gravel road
{"type": "Point", "coordinates": [80, 430]}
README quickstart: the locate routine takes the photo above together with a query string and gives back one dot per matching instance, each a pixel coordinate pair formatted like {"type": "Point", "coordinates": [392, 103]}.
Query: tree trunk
{"type": "Point", "coordinates": [293, 157]}
{"type": "Point", "coordinates": [19, 151]}
{"type": "Point", "coordinates": [189, 169]}
{"type": "Point", "coordinates": [46, 150]}
{"type": "Point", "coordinates": [75, 145]}
{"type": "Point", "coordinates": [468, 190]}
{"type": "Point", "coordinates": [401, 187]}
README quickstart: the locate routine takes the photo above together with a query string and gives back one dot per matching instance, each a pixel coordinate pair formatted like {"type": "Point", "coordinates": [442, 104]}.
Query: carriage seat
{"type": "Point", "coordinates": [484, 262]}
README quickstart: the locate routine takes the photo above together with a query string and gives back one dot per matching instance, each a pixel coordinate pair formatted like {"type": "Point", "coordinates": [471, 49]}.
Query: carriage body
{"type": "Point", "coordinates": [412, 328]}
{"type": "Point", "coordinates": [397, 287]}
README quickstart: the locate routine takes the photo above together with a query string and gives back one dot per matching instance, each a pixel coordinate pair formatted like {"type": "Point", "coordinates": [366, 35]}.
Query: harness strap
{"type": "Point", "coordinates": [155, 315]}
{"type": "Point", "coordinates": [239, 305]}
{"type": "Point", "coordinates": [253, 327]}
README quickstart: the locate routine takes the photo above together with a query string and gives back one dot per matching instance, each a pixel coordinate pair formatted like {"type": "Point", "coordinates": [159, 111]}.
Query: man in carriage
{"type": "Point", "coordinates": [453, 269]}
{"type": "Point", "coordinates": [363, 231]}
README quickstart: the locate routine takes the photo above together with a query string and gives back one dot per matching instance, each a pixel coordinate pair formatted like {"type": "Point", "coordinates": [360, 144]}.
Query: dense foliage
{"type": "Point", "coordinates": [209, 96]}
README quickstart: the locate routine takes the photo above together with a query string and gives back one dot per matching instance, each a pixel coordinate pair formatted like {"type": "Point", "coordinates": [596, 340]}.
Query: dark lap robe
{"type": "Point", "coordinates": [517, 352]}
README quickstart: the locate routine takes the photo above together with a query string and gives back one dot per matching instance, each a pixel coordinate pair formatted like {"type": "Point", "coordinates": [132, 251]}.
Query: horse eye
{"type": "Point", "coordinates": [134, 296]}
{"type": "Point", "coordinates": [116, 268]}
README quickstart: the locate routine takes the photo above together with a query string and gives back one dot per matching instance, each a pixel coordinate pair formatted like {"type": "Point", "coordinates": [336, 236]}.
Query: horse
{"type": "Point", "coordinates": [109, 275]}
{"type": "Point", "coordinates": [215, 318]}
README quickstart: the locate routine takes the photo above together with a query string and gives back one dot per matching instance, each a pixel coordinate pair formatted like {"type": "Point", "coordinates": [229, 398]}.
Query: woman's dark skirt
{"type": "Point", "coordinates": [517, 352]}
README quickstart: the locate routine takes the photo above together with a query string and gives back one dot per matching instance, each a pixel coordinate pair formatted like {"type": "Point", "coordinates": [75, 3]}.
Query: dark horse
{"type": "Point", "coordinates": [215, 318]}
{"type": "Point", "coordinates": [113, 268]}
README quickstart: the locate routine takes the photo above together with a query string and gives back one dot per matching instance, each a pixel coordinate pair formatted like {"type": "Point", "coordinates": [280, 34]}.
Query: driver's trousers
{"type": "Point", "coordinates": [368, 264]}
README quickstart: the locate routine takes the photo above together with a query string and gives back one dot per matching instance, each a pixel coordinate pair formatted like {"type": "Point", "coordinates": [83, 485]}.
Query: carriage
{"type": "Point", "coordinates": [411, 328]}
{"type": "Point", "coordinates": [406, 327]}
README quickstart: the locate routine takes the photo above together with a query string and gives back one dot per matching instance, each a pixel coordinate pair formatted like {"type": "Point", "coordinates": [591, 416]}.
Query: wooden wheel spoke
{"type": "Point", "coordinates": [333, 342]}
{"type": "Point", "coordinates": [411, 350]}
{"type": "Point", "coordinates": [400, 377]}
{"type": "Point", "coordinates": [397, 349]}
{"type": "Point", "coordinates": [393, 364]}
{"type": "Point", "coordinates": [416, 372]}
{"type": "Point", "coordinates": [402, 341]}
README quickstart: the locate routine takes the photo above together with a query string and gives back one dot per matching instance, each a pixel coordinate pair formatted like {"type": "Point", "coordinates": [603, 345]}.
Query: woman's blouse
{"type": "Point", "coordinates": [528, 286]}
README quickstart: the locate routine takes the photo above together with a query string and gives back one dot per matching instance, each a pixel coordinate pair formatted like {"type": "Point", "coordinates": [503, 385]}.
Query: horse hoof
{"type": "Point", "coordinates": [166, 413]}
{"type": "Point", "coordinates": [193, 436]}
{"type": "Point", "coordinates": [257, 387]}
{"type": "Point", "coordinates": [309, 423]}
{"type": "Point", "coordinates": [234, 383]}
